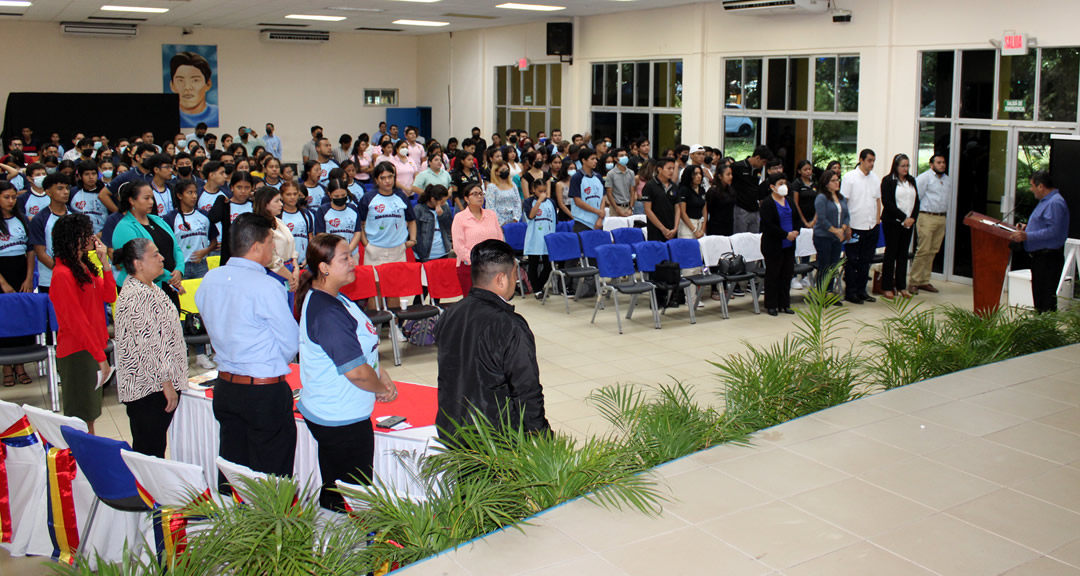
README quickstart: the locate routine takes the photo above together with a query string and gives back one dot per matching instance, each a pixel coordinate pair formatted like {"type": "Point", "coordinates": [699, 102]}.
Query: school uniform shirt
{"type": "Point", "coordinates": [406, 170]}
{"type": "Point", "coordinates": [315, 196]}
{"type": "Point", "coordinates": [87, 202]}
{"type": "Point", "coordinates": [31, 203]}
{"type": "Point", "coordinates": [41, 232]}
{"type": "Point", "coordinates": [385, 218]}
{"type": "Point", "coordinates": [16, 241]}
{"type": "Point", "coordinates": [356, 189]}
{"type": "Point", "coordinates": [326, 168]}
{"type": "Point", "coordinates": [539, 227]}
{"type": "Point", "coordinates": [207, 199]}
{"type": "Point", "coordinates": [300, 223]}
{"type": "Point", "coordinates": [163, 200]}
{"type": "Point", "coordinates": [238, 209]}
{"type": "Point", "coordinates": [343, 223]}
{"type": "Point", "coordinates": [429, 177]}
{"type": "Point", "coordinates": [591, 190]}
{"type": "Point", "coordinates": [276, 186]}
{"type": "Point", "coordinates": [192, 231]}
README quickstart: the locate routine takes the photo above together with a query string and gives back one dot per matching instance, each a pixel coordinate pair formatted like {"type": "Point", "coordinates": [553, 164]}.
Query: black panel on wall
{"type": "Point", "coordinates": [560, 39]}
{"type": "Point", "coordinates": [114, 115]}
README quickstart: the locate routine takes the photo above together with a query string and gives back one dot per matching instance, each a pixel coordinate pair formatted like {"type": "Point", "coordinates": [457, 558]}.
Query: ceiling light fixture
{"type": "Point", "coordinates": [421, 1]}
{"type": "Point", "coordinates": [353, 9]}
{"type": "Point", "coordinates": [14, 4]}
{"type": "Point", "coordinates": [533, 7]}
{"type": "Point", "coordinates": [315, 17]}
{"type": "Point", "coordinates": [420, 23]}
{"type": "Point", "coordinates": [142, 9]}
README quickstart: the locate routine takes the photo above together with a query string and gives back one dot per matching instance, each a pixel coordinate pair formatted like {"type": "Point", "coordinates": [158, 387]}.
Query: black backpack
{"type": "Point", "coordinates": [667, 273]}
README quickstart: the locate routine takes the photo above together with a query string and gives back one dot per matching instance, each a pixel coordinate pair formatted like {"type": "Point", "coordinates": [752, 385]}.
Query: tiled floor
{"type": "Point", "coordinates": [794, 475]}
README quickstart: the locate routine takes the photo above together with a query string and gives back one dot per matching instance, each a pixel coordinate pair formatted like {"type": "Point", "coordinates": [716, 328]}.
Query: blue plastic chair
{"type": "Point", "coordinates": [565, 247]}
{"type": "Point", "coordinates": [109, 477]}
{"type": "Point", "coordinates": [591, 239]}
{"type": "Point", "coordinates": [629, 236]}
{"type": "Point", "coordinates": [564, 226]}
{"type": "Point", "coordinates": [31, 315]}
{"type": "Point", "coordinates": [651, 253]}
{"type": "Point", "coordinates": [514, 235]}
{"type": "Point", "coordinates": [614, 262]}
{"type": "Point", "coordinates": [687, 253]}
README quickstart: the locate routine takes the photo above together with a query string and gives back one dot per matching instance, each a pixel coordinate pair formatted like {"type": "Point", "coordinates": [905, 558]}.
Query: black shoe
{"type": "Point", "coordinates": [854, 299]}
{"type": "Point", "coordinates": [539, 295]}
{"type": "Point", "coordinates": [773, 311]}
{"type": "Point", "coordinates": [738, 291]}
{"type": "Point", "coordinates": [868, 298]}
{"type": "Point", "coordinates": [788, 311]}
{"type": "Point", "coordinates": [839, 303]}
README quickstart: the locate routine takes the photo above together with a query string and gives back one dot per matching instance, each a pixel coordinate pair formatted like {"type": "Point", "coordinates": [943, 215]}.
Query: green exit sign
{"type": "Point", "coordinates": [1014, 106]}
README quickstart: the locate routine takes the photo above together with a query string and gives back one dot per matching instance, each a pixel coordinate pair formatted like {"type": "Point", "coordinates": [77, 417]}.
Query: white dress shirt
{"type": "Point", "coordinates": [862, 192]}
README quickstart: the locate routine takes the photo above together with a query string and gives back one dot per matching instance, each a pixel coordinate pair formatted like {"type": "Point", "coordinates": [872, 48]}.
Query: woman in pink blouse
{"type": "Point", "coordinates": [471, 227]}
{"type": "Point", "coordinates": [404, 167]}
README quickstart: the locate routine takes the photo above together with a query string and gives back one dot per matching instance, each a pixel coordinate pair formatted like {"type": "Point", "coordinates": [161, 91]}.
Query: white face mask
{"type": "Point", "coordinates": [403, 151]}
{"type": "Point", "coordinates": [781, 190]}
{"type": "Point", "coordinates": [38, 181]}
{"type": "Point", "coordinates": [571, 172]}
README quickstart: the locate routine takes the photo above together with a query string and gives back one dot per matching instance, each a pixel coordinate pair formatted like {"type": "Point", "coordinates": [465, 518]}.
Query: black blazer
{"type": "Point", "coordinates": [772, 235]}
{"type": "Point", "coordinates": [889, 211]}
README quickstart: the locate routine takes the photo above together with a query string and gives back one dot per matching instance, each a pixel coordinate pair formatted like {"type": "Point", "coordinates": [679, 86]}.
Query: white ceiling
{"type": "Point", "coordinates": [257, 14]}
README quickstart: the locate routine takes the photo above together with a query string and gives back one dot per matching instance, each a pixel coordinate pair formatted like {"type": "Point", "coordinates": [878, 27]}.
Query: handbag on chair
{"type": "Point", "coordinates": [731, 264]}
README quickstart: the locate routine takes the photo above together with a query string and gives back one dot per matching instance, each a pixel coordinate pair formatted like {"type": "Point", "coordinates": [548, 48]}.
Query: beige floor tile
{"type": "Point", "coordinates": [599, 529]}
{"type": "Point", "coordinates": [912, 434]}
{"type": "Point", "coordinates": [1068, 420]}
{"type": "Point", "coordinates": [591, 565]}
{"type": "Point", "coordinates": [707, 493]}
{"type": "Point", "coordinates": [949, 547]}
{"type": "Point", "coordinates": [683, 552]}
{"type": "Point", "coordinates": [1060, 486]}
{"type": "Point", "coordinates": [992, 461]}
{"type": "Point", "coordinates": [779, 535]}
{"type": "Point", "coordinates": [906, 399]}
{"type": "Point", "coordinates": [1044, 567]}
{"type": "Point", "coordinates": [958, 385]}
{"type": "Point", "coordinates": [1054, 388]}
{"type": "Point", "coordinates": [929, 482]}
{"type": "Point", "coordinates": [798, 430]}
{"type": "Point", "coordinates": [846, 503]}
{"type": "Point", "coordinates": [1023, 405]}
{"type": "Point", "coordinates": [733, 451]}
{"type": "Point", "coordinates": [1069, 553]}
{"type": "Point", "coordinates": [854, 414]}
{"type": "Point", "coordinates": [969, 418]}
{"type": "Point", "coordinates": [1022, 519]}
{"type": "Point", "coordinates": [858, 560]}
{"type": "Point", "coordinates": [1042, 441]}
{"type": "Point", "coordinates": [780, 472]}
{"type": "Point", "coordinates": [438, 566]}
{"type": "Point", "coordinates": [1012, 373]}
{"type": "Point", "coordinates": [849, 452]}
{"type": "Point", "coordinates": [523, 550]}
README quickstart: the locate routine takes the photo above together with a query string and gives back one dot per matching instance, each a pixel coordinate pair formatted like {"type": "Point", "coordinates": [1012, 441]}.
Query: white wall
{"type": "Point", "coordinates": [293, 86]}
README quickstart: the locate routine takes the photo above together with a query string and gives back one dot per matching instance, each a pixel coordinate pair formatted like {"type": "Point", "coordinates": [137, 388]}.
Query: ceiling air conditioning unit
{"type": "Point", "coordinates": [295, 36]}
{"type": "Point", "coordinates": [98, 30]}
{"type": "Point", "coordinates": [777, 5]}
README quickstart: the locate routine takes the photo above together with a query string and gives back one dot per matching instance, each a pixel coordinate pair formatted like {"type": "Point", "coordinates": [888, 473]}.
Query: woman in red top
{"type": "Point", "coordinates": [79, 297]}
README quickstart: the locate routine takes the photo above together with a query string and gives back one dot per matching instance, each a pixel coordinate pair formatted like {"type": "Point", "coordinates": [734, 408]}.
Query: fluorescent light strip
{"type": "Point", "coordinates": [14, 4]}
{"type": "Point", "coordinates": [141, 9]}
{"type": "Point", "coordinates": [420, 23]}
{"type": "Point", "coordinates": [421, 1]}
{"type": "Point", "coordinates": [533, 7]}
{"type": "Point", "coordinates": [315, 17]}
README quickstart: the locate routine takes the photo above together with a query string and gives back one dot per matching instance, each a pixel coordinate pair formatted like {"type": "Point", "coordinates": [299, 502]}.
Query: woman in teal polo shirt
{"type": "Point", "coordinates": [137, 202]}
{"type": "Point", "coordinates": [339, 369]}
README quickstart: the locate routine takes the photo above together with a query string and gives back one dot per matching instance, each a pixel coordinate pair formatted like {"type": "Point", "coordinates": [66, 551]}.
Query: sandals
{"type": "Point", "coordinates": [9, 377]}
{"type": "Point", "coordinates": [23, 377]}
{"type": "Point", "coordinates": [888, 295]}
{"type": "Point", "coordinates": [905, 294]}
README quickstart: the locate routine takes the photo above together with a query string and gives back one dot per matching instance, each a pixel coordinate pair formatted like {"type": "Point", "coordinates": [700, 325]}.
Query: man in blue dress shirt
{"type": "Point", "coordinates": [1044, 239]}
{"type": "Point", "coordinates": [253, 331]}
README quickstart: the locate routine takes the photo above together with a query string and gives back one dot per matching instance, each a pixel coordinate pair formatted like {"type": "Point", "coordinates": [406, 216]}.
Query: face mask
{"type": "Point", "coordinates": [504, 174]}
{"type": "Point", "coordinates": [708, 159]}
{"type": "Point", "coordinates": [184, 171]}
{"type": "Point", "coordinates": [318, 135]}
{"type": "Point", "coordinates": [339, 202]}
{"type": "Point", "coordinates": [107, 174]}
{"type": "Point", "coordinates": [403, 151]}
{"type": "Point", "coordinates": [538, 164]}
{"type": "Point", "coordinates": [97, 145]}
{"type": "Point", "coordinates": [229, 169]}
{"type": "Point", "coordinates": [781, 190]}
{"type": "Point", "coordinates": [684, 158]}
{"type": "Point", "coordinates": [86, 153]}
{"type": "Point", "coordinates": [38, 181]}
{"type": "Point", "coordinates": [609, 166]}
{"type": "Point", "coordinates": [571, 172]}
{"type": "Point", "coordinates": [50, 170]}
{"type": "Point", "coordinates": [624, 160]}
{"type": "Point", "coordinates": [123, 149]}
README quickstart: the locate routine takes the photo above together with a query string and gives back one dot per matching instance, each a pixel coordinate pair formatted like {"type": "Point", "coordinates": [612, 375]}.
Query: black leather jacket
{"type": "Point", "coordinates": [487, 363]}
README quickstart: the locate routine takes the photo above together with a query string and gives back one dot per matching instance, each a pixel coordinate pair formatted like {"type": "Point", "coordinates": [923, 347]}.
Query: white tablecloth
{"type": "Point", "coordinates": [194, 436]}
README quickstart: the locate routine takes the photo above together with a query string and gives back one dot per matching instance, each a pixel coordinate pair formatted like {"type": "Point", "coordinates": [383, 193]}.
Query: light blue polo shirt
{"type": "Point", "coordinates": [14, 243]}
{"type": "Point", "coordinates": [591, 190]}
{"type": "Point", "coordinates": [539, 227]}
{"type": "Point", "coordinates": [193, 231]}
{"type": "Point", "coordinates": [301, 224]}
{"type": "Point", "coordinates": [343, 223]}
{"type": "Point", "coordinates": [41, 232]}
{"type": "Point", "coordinates": [386, 218]}
{"type": "Point", "coordinates": [87, 202]}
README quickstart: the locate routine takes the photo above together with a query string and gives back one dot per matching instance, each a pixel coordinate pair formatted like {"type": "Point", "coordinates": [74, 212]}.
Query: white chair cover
{"type": "Point", "coordinates": [354, 504]}
{"type": "Point", "coordinates": [747, 245]}
{"type": "Point", "coordinates": [26, 489]}
{"type": "Point", "coordinates": [804, 244]}
{"type": "Point", "coordinates": [613, 222]}
{"type": "Point", "coordinates": [713, 247]}
{"type": "Point", "coordinates": [112, 528]}
{"type": "Point", "coordinates": [234, 472]}
{"type": "Point", "coordinates": [168, 482]}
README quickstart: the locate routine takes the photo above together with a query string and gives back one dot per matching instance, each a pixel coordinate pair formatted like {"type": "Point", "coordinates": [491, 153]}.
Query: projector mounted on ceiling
{"type": "Point", "coordinates": [98, 30]}
{"type": "Point", "coordinates": [295, 36]}
{"type": "Point", "coordinates": [777, 5]}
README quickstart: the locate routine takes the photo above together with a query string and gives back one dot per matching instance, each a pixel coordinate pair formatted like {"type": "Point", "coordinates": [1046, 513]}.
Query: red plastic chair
{"type": "Point", "coordinates": [363, 288]}
{"type": "Point", "coordinates": [402, 280]}
{"type": "Point", "coordinates": [442, 280]}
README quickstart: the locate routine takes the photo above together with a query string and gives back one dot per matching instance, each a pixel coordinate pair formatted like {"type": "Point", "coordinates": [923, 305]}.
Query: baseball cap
{"type": "Point", "coordinates": [697, 148]}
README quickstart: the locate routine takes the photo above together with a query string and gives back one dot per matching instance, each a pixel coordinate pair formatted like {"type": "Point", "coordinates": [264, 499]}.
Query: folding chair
{"type": "Point", "coordinates": [514, 235]}
{"type": "Point", "coordinates": [565, 226]}
{"type": "Point", "coordinates": [615, 262]}
{"type": "Point", "coordinates": [213, 262]}
{"type": "Point", "coordinates": [612, 223]}
{"type": "Point", "coordinates": [365, 288]}
{"type": "Point", "coordinates": [629, 236]}
{"type": "Point", "coordinates": [402, 280]}
{"type": "Point", "coordinates": [748, 245]}
{"type": "Point", "coordinates": [22, 484]}
{"type": "Point", "coordinates": [442, 281]}
{"type": "Point", "coordinates": [233, 473]}
{"type": "Point", "coordinates": [168, 487]}
{"type": "Point", "coordinates": [651, 253]}
{"type": "Point", "coordinates": [565, 247]}
{"type": "Point", "coordinates": [31, 315]}
{"type": "Point", "coordinates": [188, 306]}
{"type": "Point", "coordinates": [687, 253]}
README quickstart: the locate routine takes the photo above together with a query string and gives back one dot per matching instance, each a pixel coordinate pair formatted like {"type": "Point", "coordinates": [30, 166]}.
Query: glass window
{"type": "Point", "coordinates": [937, 84]}
{"type": "Point", "coordinates": [605, 125]}
{"type": "Point", "coordinates": [847, 85]}
{"type": "Point", "coordinates": [977, 83]}
{"type": "Point", "coordinates": [752, 84]}
{"type": "Point", "coordinates": [1033, 153]}
{"type": "Point", "coordinates": [611, 85]}
{"type": "Point", "coordinates": [777, 99]}
{"type": "Point", "coordinates": [515, 86]}
{"type": "Point", "coordinates": [541, 85]}
{"type": "Point", "coordinates": [733, 81]}
{"type": "Point", "coordinates": [836, 140]}
{"type": "Point", "coordinates": [1059, 83]}
{"type": "Point", "coordinates": [786, 138]}
{"type": "Point", "coordinates": [500, 85]}
{"type": "Point", "coordinates": [1016, 87]}
{"type": "Point", "coordinates": [634, 125]}
{"type": "Point", "coordinates": [517, 120]}
{"type": "Point", "coordinates": [537, 122]}
{"type": "Point", "coordinates": [555, 118]}
{"type": "Point", "coordinates": [799, 90]}
{"type": "Point", "coordinates": [529, 95]}
{"type": "Point", "coordinates": [825, 85]}
{"type": "Point", "coordinates": [556, 84]}
{"type": "Point", "coordinates": [662, 85]}
{"type": "Point", "coordinates": [677, 99]}
{"type": "Point", "coordinates": [500, 121]}
{"type": "Point", "coordinates": [741, 135]}
{"type": "Point", "coordinates": [934, 138]}
{"type": "Point", "coordinates": [598, 85]}
{"type": "Point", "coordinates": [667, 129]}
{"type": "Point", "coordinates": [627, 87]}
{"type": "Point", "coordinates": [641, 84]}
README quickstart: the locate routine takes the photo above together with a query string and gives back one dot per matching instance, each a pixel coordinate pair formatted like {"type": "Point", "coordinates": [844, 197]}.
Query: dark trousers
{"type": "Point", "coordinates": [894, 269]}
{"type": "Point", "coordinates": [345, 453]}
{"type": "Point", "coordinates": [829, 251]}
{"type": "Point", "coordinates": [539, 270]}
{"type": "Point", "coordinates": [149, 424]}
{"type": "Point", "coordinates": [1046, 268]}
{"type": "Point", "coordinates": [779, 269]}
{"type": "Point", "coordinates": [860, 254]}
{"type": "Point", "coordinates": [258, 429]}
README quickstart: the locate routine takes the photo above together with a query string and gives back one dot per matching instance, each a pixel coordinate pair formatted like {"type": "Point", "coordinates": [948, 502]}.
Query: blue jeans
{"type": "Point", "coordinates": [639, 208]}
{"type": "Point", "coordinates": [194, 270]}
{"type": "Point", "coordinates": [828, 255]}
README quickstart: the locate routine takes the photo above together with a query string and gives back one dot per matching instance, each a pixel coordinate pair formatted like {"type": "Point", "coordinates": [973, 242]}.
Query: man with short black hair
{"type": "Point", "coordinates": [191, 77]}
{"type": "Point", "coordinates": [246, 313]}
{"type": "Point", "coordinates": [478, 139]}
{"type": "Point", "coordinates": [487, 353]}
{"type": "Point", "coordinates": [394, 137]}
{"type": "Point", "coordinates": [34, 199]}
{"type": "Point", "coordinates": [587, 194]}
{"type": "Point", "coordinates": [137, 172]}
{"type": "Point", "coordinates": [325, 154]}
{"type": "Point", "coordinates": [1044, 239]}
{"type": "Point", "coordinates": [161, 166]}
{"type": "Point", "coordinates": [935, 193]}
{"type": "Point", "coordinates": [620, 185]}
{"type": "Point", "coordinates": [76, 146]}
{"type": "Point", "coordinates": [379, 133]}
{"type": "Point", "coordinates": [273, 142]}
{"type": "Point", "coordinates": [308, 151]}
{"type": "Point", "coordinates": [343, 150]}
{"type": "Point", "coordinates": [57, 186]}
{"type": "Point", "coordinates": [198, 135]}
{"type": "Point", "coordinates": [661, 197]}
{"type": "Point", "coordinates": [862, 189]}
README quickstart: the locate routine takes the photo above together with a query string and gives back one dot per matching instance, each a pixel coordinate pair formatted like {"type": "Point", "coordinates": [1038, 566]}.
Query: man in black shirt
{"type": "Point", "coordinates": [749, 189]}
{"type": "Point", "coordinates": [661, 196]}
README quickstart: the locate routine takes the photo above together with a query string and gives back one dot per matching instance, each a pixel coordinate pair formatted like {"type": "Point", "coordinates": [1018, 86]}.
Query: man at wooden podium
{"type": "Point", "coordinates": [1044, 239]}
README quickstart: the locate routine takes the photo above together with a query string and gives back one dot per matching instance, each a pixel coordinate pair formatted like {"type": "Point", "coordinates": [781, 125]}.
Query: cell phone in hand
{"type": "Point", "coordinates": [390, 422]}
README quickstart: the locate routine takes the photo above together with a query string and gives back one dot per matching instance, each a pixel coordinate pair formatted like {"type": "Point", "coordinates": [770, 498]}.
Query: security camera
{"type": "Point", "coordinates": [841, 16]}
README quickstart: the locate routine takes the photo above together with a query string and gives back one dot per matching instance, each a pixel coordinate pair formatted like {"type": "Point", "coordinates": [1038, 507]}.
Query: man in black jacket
{"type": "Point", "coordinates": [748, 181]}
{"type": "Point", "coordinates": [487, 353]}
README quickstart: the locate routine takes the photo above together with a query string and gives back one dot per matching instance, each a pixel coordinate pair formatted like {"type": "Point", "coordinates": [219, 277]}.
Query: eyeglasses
{"type": "Point", "coordinates": [477, 193]}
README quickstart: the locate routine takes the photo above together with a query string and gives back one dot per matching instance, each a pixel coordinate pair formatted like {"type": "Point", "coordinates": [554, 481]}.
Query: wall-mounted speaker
{"type": "Point", "coordinates": [560, 39]}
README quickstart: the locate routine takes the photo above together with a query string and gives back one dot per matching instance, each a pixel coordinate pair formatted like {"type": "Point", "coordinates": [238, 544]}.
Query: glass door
{"type": "Point", "coordinates": [982, 162]}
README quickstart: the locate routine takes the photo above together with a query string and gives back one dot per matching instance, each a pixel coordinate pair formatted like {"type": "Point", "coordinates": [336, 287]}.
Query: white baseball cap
{"type": "Point", "coordinates": [697, 148]}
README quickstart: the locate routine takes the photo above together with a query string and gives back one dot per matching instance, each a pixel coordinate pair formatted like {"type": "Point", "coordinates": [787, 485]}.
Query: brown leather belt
{"type": "Point", "coordinates": [932, 213]}
{"type": "Point", "coordinates": [236, 379]}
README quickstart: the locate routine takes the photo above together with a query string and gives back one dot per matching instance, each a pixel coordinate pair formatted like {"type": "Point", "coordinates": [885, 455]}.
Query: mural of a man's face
{"type": "Point", "coordinates": [192, 87]}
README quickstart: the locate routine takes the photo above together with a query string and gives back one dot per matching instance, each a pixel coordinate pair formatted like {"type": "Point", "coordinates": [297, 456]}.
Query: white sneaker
{"type": "Point", "coordinates": [796, 284]}
{"type": "Point", "coordinates": [806, 282]}
{"type": "Point", "coordinates": [401, 336]}
{"type": "Point", "coordinates": [700, 304]}
{"type": "Point", "coordinates": [204, 362]}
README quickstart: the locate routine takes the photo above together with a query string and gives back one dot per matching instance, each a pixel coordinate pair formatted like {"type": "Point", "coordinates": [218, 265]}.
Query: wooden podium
{"type": "Point", "coordinates": [990, 255]}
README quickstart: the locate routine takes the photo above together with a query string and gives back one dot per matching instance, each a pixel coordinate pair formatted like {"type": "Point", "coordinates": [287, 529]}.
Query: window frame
{"type": "Point", "coordinates": [652, 110]}
{"type": "Point", "coordinates": [528, 109]}
{"type": "Point", "coordinates": [381, 94]}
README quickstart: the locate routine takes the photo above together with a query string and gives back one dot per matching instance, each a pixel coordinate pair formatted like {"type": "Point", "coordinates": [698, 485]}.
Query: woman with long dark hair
{"type": "Point", "coordinates": [339, 368]}
{"type": "Point", "coordinates": [16, 268]}
{"type": "Point", "coordinates": [465, 174]}
{"type": "Point", "coordinates": [362, 158]}
{"type": "Point", "coordinates": [226, 210]}
{"type": "Point", "coordinates": [268, 204]}
{"type": "Point", "coordinates": [899, 211]}
{"type": "Point", "coordinates": [691, 208]}
{"type": "Point", "coordinates": [137, 204]}
{"type": "Point", "coordinates": [79, 296]}
{"type": "Point", "coordinates": [297, 217]}
{"type": "Point", "coordinates": [832, 227]}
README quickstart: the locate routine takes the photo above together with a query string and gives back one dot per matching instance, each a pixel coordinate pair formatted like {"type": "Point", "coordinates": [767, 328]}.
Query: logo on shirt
{"type": "Point", "coordinates": [34, 210]}
{"type": "Point", "coordinates": [206, 207]}
{"type": "Point", "coordinates": [335, 222]}
{"type": "Point", "coordinates": [80, 205]}
{"type": "Point", "coordinates": [232, 217]}
{"type": "Point", "coordinates": [4, 237]}
{"type": "Point", "coordinates": [290, 226]}
{"type": "Point", "coordinates": [380, 208]}
{"type": "Point", "coordinates": [371, 328]}
{"type": "Point", "coordinates": [160, 209]}
{"type": "Point", "coordinates": [185, 227]}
